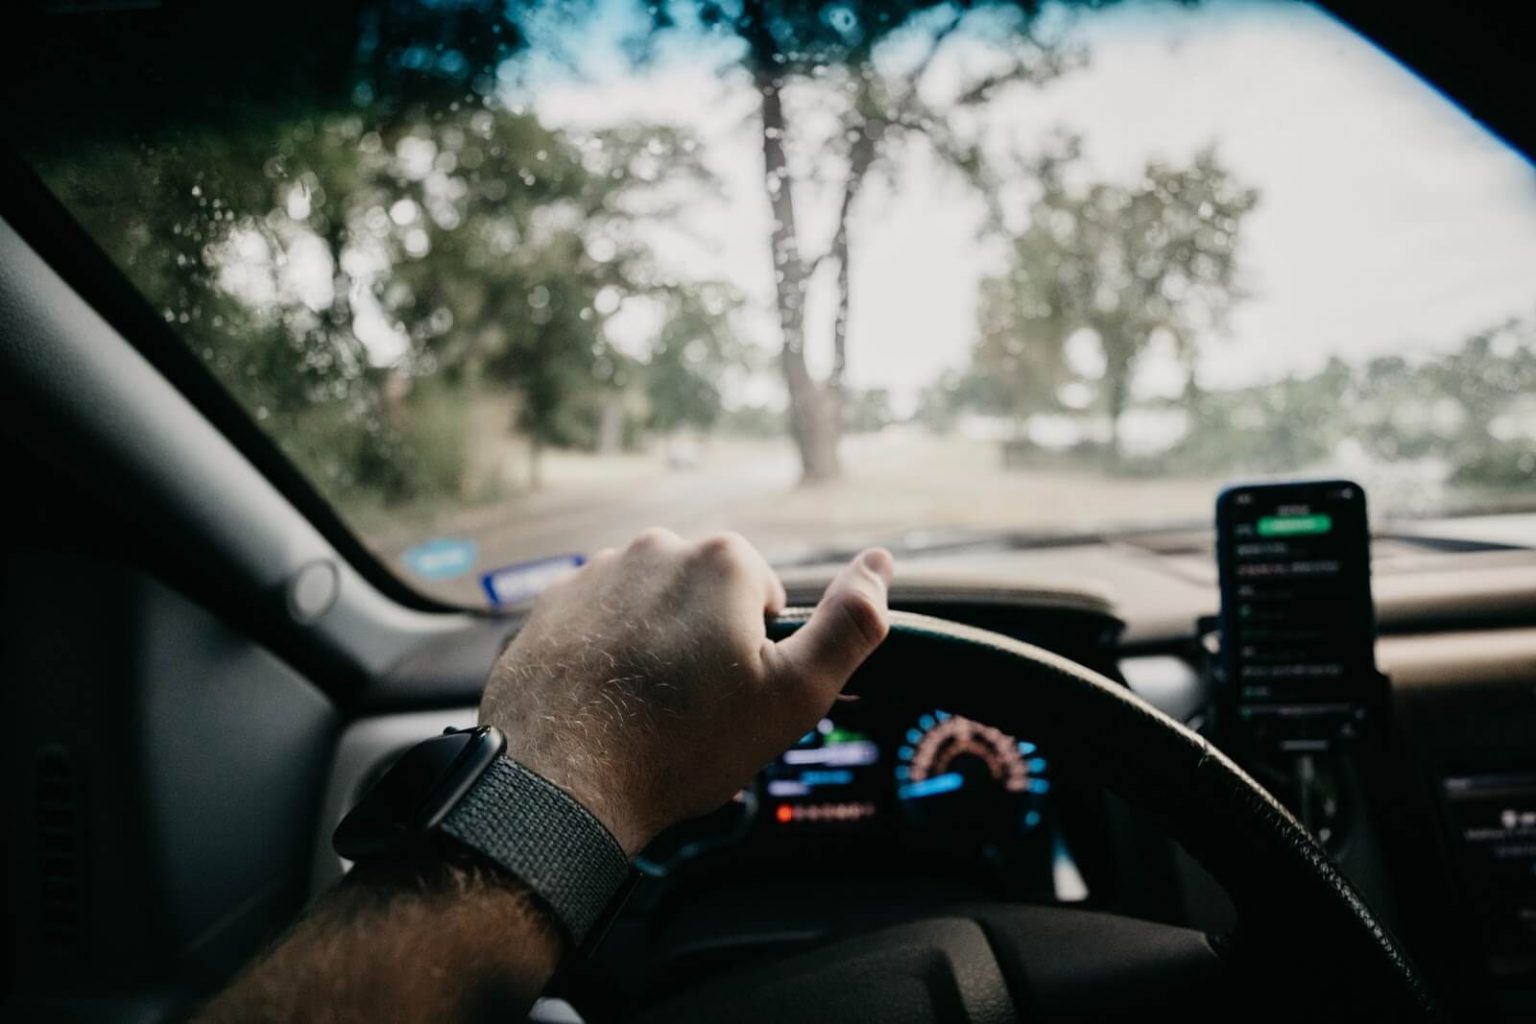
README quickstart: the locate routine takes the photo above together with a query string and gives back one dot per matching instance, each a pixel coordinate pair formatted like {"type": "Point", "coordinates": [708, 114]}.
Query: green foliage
{"type": "Point", "coordinates": [941, 403]}
{"type": "Point", "coordinates": [867, 410]}
{"type": "Point", "coordinates": [752, 420]}
{"type": "Point", "coordinates": [330, 267]}
{"type": "Point", "coordinates": [1269, 428]}
{"type": "Point", "coordinates": [695, 346]}
{"type": "Point", "coordinates": [1505, 465]}
{"type": "Point", "coordinates": [366, 221]}
{"type": "Point", "coordinates": [1450, 408]}
{"type": "Point", "coordinates": [878, 108]}
{"type": "Point", "coordinates": [346, 450]}
{"type": "Point", "coordinates": [1124, 263]}
{"type": "Point", "coordinates": [434, 449]}
{"type": "Point", "coordinates": [1502, 465]}
{"type": "Point", "coordinates": [357, 254]}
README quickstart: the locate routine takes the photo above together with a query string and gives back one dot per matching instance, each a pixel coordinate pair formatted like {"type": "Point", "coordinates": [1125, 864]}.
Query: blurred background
{"type": "Point", "coordinates": [509, 280]}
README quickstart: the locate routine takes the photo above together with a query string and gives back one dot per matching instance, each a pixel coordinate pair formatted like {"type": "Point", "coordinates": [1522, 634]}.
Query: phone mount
{"type": "Point", "coordinates": [1270, 727]}
{"type": "Point", "coordinates": [1306, 754]}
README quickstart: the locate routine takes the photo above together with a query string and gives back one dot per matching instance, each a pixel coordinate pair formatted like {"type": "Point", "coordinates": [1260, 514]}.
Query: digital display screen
{"type": "Point", "coordinates": [1297, 622]}
{"type": "Point", "coordinates": [1495, 821]}
{"type": "Point", "coordinates": [831, 776]}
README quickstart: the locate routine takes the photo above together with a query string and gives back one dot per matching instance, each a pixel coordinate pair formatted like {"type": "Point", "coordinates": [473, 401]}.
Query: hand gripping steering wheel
{"type": "Point", "coordinates": [1306, 945]}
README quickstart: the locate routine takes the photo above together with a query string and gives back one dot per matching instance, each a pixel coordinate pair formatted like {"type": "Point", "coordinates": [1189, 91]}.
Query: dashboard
{"type": "Point", "coordinates": [889, 786]}
{"type": "Point", "coordinates": [891, 807]}
{"type": "Point", "coordinates": [889, 789]}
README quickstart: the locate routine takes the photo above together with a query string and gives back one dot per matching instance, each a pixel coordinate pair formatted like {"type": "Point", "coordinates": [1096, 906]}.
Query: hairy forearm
{"type": "Point", "coordinates": [455, 945]}
{"type": "Point", "coordinates": [646, 686]}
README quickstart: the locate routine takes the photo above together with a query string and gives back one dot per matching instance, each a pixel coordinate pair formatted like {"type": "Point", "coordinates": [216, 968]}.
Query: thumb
{"type": "Point", "coordinates": [849, 623]}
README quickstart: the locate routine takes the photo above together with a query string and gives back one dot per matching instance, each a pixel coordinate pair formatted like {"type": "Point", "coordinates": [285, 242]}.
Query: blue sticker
{"type": "Point", "coordinates": [441, 558]}
{"type": "Point", "coordinates": [524, 581]}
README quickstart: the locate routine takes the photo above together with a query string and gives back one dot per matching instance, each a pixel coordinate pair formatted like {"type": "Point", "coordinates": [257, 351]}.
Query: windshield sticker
{"type": "Point", "coordinates": [524, 581]}
{"type": "Point", "coordinates": [441, 558]}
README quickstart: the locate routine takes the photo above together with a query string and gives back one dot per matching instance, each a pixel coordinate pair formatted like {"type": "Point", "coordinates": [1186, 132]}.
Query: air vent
{"type": "Point", "coordinates": [58, 817]}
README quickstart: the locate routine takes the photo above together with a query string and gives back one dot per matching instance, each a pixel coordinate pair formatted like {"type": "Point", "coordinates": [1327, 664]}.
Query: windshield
{"type": "Point", "coordinates": [513, 281]}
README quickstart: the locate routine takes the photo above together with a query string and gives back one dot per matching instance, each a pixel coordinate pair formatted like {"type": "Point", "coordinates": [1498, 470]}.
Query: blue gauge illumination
{"type": "Point", "coordinates": [970, 787]}
{"type": "Point", "coordinates": [945, 753]}
{"type": "Point", "coordinates": [932, 786]}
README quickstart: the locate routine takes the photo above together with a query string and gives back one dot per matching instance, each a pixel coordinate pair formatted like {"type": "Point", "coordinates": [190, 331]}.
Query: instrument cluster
{"type": "Point", "coordinates": [921, 785]}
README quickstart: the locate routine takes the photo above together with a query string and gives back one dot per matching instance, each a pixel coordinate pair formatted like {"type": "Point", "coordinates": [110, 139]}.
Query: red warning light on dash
{"type": "Point", "coordinates": [802, 813]}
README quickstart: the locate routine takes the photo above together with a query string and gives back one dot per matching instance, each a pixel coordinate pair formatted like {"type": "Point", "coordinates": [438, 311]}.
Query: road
{"type": "Point", "coordinates": [588, 503]}
{"type": "Point", "coordinates": [894, 483]}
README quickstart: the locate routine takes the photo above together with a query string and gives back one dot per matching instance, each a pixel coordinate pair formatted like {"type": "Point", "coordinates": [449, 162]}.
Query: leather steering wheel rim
{"type": "Point", "coordinates": [1269, 865]}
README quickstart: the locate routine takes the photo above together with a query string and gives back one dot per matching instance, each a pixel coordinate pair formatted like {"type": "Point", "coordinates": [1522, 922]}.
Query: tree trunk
{"type": "Point", "coordinates": [861, 158]}
{"type": "Point", "coordinates": [1116, 408]}
{"type": "Point", "coordinates": [1194, 396]}
{"type": "Point", "coordinates": [815, 432]}
{"type": "Point", "coordinates": [535, 463]}
{"type": "Point", "coordinates": [1119, 362]}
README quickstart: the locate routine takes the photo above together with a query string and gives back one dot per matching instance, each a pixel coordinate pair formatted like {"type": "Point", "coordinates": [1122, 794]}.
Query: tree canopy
{"type": "Point", "coordinates": [1122, 264]}
{"type": "Point", "coordinates": [324, 266]}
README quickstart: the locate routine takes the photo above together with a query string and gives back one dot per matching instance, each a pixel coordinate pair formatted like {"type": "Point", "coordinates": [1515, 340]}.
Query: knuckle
{"type": "Point", "coordinates": [651, 539]}
{"type": "Point", "coordinates": [724, 548]}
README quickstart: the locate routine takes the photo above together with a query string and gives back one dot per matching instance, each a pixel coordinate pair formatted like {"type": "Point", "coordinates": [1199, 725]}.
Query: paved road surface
{"type": "Point", "coordinates": [894, 483]}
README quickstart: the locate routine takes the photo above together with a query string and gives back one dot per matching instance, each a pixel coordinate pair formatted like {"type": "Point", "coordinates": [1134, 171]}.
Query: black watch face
{"type": "Point", "coordinates": [414, 794]}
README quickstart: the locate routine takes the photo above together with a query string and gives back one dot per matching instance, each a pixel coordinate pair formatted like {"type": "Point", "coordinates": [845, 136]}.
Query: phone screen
{"type": "Point", "coordinates": [1298, 630]}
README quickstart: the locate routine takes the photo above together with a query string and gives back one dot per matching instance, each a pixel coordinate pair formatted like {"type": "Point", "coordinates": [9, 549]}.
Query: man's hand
{"type": "Point", "coordinates": [646, 686]}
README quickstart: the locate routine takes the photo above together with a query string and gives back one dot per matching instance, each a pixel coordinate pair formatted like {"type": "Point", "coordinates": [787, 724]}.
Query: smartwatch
{"type": "Point", "coordinates": [461, 789]}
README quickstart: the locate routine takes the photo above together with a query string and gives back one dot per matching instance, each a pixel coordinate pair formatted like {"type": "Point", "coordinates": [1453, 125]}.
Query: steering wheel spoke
{"type": "Point", "coordinates": [936, 971]}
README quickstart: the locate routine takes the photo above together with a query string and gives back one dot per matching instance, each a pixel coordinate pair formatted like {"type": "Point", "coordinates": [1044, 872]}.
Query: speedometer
{"type": "Point", "coordinates": [968, 778]}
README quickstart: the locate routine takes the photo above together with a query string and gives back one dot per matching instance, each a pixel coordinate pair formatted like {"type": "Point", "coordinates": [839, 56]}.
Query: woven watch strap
{"type": "Point", "coordinates": [536, 831]}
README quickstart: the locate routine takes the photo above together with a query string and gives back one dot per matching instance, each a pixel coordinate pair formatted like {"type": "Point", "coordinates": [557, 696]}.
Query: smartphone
{"type": "Point", "coordinates": [1298, 630]}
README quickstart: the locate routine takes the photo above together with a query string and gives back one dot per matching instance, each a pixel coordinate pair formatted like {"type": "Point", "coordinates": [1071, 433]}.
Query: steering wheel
{"type": "Point", "coordinates": [1305, 942]}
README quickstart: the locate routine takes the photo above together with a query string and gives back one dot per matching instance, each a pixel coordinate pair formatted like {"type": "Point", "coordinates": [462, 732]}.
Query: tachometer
{"type": "Point", "coordinates": [967, 777]}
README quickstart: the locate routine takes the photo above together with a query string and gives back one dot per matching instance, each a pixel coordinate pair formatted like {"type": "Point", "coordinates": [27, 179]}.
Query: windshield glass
{"type": "Point", "coordinates": [510, 281]}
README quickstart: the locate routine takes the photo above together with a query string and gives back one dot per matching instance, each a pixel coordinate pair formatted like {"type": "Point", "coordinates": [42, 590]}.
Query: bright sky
{"type": "Point", "coordinates": [1389, 221]}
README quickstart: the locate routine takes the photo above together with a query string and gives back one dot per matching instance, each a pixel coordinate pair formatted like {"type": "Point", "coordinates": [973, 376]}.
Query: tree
{"type": "Point", "coordinates": [797, 42]}
{"type": "Point", "coordinates": [1124, 263]}
{"type": "Point", "coordinates": [1492, 371]}
{"type": "Point", "coordinates": [867, 411]}
{"type": "Point", "coordinates": [325, 264]}
{"type": "Point", "coordinates": [1285, 425]}
{"type": "Point", "coordinates": [941, 403]}
{"type": "Point", "coordinates": [1467, 409]}
{"type": "Point", "coordinates": [356, 234]}
{"type": "Point", "coordinates": [1490, 382]}
{"type": "Point", "coordinates": [1393, 400]}
{"type": "Point", "coordinates": [688, 359]}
